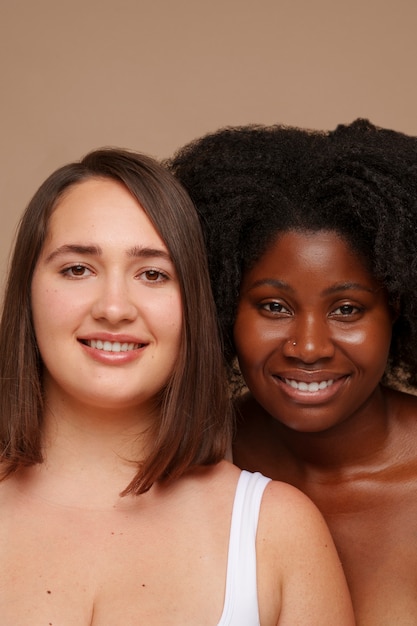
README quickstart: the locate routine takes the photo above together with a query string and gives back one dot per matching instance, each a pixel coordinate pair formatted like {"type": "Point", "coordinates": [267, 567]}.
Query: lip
{"type": "Point", "coordinates": [111, 348]}
{"type": "Point", "coordinates": [314, 388]}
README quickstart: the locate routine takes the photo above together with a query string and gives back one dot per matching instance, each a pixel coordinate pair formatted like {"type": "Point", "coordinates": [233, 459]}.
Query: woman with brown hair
{"type": "Point", "coordinates": [117, 506]}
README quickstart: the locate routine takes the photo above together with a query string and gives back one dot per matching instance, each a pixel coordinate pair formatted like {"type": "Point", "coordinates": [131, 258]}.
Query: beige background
{"type": "Point", "coordinates": [153, 75]}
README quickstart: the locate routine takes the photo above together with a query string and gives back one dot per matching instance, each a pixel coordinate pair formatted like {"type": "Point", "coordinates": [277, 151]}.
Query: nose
{"type": "Point", "coordinates": [113, 301]}
{"type": "Point", "coordinates": [309, 340]}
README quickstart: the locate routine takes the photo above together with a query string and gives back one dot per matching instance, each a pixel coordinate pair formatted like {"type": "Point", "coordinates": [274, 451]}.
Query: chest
{"type": "Point", "coordinates": [372, 516]}
{"type": "Point", "coordinates": [375, 532]}
{"type": "Point", "coordinates": [75, 568]}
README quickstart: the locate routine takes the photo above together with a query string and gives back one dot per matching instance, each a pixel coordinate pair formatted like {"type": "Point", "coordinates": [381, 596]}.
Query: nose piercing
{"type": "Point", "coordinates": [294, 343]}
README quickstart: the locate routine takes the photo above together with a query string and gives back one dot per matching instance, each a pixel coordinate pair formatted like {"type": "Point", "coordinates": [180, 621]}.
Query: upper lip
{"type": "Point", "coordinates": [309, 377]}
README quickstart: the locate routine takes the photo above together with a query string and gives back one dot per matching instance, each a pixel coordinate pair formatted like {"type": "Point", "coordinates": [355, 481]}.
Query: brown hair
{"type": "Point", "coordinates": [194, 426]}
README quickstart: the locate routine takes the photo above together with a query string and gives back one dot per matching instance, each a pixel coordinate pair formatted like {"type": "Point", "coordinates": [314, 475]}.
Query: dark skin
{"type": "Point", "coordinates": [317, 416]}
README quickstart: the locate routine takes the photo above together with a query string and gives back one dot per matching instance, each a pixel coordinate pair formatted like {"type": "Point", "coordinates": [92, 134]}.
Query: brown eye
{"type": "Point", "coordinates": [347, 311]}
{"type": "Point", "coordinates": [275, 308]}
{"type": "Point", "coordinates": [152, 275]}
{"type": "Point", "coordinates": [77, 270]}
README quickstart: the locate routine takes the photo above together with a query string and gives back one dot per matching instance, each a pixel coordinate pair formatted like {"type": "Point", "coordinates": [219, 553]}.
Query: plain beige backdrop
{"type": "Point", "coordinates": [153, 75]}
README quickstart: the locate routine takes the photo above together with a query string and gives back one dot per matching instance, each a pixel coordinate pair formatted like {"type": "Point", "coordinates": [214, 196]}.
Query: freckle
{"type": "Point", "coordinates": [143, 585]}
{"type": "Point", "coordinates": [48, 591]}
{"type": "Point", "coordinates": [112, 533]}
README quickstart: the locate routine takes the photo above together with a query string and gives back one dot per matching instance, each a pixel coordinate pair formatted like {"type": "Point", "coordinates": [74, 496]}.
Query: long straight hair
{"type": "Point", "coordinates": [194, 425]}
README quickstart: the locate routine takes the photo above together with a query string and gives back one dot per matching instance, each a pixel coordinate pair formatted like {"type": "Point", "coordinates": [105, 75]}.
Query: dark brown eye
{"type": "Point", "coordinates": [77, 270]}
{"type": "Point", "coordinates": [347, 310]}
{"type": "Point", "coordinates": [152, 275]}
{"type": "Point", "coordinates": [274, 308]}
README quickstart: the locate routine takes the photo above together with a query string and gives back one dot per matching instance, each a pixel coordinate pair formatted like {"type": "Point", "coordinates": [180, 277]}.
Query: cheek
{"type": "Point", "coordinates": [369, 346]}
{"type": "Point", "coordinates": [173, 311]}
{"type": "Point", "coordinates": [50, 304]}
{"type": "Point", "coordinates": [245, 336]}
{"type": "Point", "coordinates": [254, 342]}
{"type": "Point", "coordinates": [43, 310]}
{"type": "Point", "coordinates": [53, 317]}
{"type": "Point", "coordinates": [254, 330]}
{"type": "Point", "coordinates": [379, 344]}
{"type": "Point", "coordinates": [167, 319]}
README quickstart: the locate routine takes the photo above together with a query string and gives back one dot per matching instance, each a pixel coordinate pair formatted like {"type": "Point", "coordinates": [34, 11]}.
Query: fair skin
{"type": "Point", "coordinates": [313, 332]}
{"type": "Point", "coordinates": [76, 553]}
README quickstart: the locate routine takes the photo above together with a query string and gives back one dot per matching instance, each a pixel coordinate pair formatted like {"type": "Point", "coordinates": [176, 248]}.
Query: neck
{"type": "Point", "coordinates": [90, 456]}
{"type": "Point", "coordinates": [358, 441]}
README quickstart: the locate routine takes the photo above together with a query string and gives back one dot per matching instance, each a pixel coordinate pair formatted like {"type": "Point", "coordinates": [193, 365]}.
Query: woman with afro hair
{"type": "Point", "coordinates": [312, 246]}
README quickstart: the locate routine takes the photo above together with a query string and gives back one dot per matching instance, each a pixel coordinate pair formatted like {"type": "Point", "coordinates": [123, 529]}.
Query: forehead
{"type": "Point", "coordinates": [100, 208]}
{"type": "Point", "coordinates": [315, 240]}
{"type": "Point", "coordinates": [322, 252]}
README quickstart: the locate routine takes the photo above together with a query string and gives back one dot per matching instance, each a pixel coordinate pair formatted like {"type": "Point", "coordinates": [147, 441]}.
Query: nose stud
{"type": "Point", "coordinates": [294, 343]}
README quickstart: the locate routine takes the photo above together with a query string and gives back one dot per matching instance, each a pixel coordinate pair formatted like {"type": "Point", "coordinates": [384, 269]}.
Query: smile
{"type": "Point", "coordinates": [112, 346]}
{"type": "Point", "coordinates": [311, 387]}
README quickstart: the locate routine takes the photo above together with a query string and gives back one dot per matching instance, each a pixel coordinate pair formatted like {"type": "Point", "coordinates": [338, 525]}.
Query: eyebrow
{"type": "Point", "coordinates": [347, 287]}
{"type": "Point", "coordinates": [271, 282]}
{"type": "Point", "coordinates": [338, 287]}
{"type": "Point", "coordinates": [93, 250]}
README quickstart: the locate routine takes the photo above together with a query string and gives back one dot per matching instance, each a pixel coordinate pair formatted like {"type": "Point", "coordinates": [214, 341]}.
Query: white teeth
{"type": "Point", "coordinates": [112, 346]}
{"type": "Point", "coordinates": [312, 387]}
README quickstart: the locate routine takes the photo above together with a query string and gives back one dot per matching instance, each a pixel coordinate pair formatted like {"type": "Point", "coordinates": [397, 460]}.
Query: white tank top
{"type": "Point", "coordinates": [241, 597]}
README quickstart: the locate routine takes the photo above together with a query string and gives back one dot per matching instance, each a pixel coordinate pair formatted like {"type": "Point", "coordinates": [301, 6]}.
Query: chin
{"type": "Point", "coordinates": [309, 425]}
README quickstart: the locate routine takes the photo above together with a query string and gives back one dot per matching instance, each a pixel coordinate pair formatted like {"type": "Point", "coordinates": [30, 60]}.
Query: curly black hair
{"type": "Point", "coordinates": [250, 183]}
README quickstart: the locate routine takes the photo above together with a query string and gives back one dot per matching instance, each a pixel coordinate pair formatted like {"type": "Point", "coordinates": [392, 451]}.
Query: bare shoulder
{"type": "Point", "coordinates": [280, 495]}
{"type": "Point", "coordinates": [286, 510]}
{"type": "Point", "coordinates": [297, 556]}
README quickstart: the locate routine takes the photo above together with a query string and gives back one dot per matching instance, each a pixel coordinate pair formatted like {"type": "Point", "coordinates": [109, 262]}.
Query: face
{"type": "Point", "coordinates": [106, 301]}
{"type": "Point", "coordinates": [312, 332]}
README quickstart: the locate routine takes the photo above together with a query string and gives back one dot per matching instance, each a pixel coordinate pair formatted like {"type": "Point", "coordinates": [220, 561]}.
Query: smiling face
{"type": "Point", "coordinates": [312, 331]}
{"type": "Point", "coordinates": [106, 301]}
